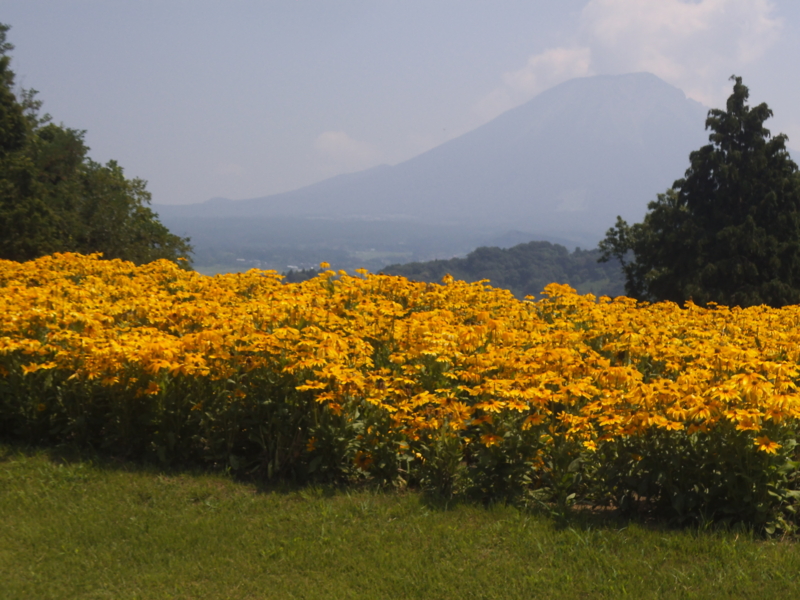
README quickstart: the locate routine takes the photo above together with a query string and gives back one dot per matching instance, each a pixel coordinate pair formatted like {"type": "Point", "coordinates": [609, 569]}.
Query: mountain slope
{"type": "Point", "coordinates": [565, 163]}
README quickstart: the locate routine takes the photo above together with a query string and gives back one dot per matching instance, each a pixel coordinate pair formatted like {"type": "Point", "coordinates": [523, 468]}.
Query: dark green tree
{"type": "Point", "coordinates": [54, 198]}
{"type": "Point", "coordinates": [524, 269]}
{"type": "Point", "coordinates": [729, 231]}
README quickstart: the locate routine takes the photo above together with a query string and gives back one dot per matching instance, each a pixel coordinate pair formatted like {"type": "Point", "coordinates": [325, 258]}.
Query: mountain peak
{"type": "Point", "coordinates": [566, 162]}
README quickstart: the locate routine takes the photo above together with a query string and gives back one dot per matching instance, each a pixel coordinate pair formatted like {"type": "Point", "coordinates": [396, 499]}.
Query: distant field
{"type": "Point", "coordinates": [95, 529]}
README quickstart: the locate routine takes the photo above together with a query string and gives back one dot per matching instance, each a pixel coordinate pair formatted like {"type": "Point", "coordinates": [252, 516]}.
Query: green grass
{"type": "Point", "coordinates": [98, 529]}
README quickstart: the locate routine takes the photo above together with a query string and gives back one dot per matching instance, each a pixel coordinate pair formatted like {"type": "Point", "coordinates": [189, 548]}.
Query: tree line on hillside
{"type": "Point", "coordinates": [525, 269]}
{"type": "Point", "coordinates": [54, 198]}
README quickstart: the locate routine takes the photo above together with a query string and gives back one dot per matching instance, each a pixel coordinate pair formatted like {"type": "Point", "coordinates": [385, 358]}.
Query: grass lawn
{"type": "Point", "coordinates": [97, 529]}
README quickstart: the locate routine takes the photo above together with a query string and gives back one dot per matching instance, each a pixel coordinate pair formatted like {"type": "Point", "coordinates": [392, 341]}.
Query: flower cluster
{"type": "Point", "coordinates": [402, 364]}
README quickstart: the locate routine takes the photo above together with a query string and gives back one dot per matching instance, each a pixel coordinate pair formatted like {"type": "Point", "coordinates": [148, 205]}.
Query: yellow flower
{"type": "Point", "coordinates": [766, 445]}
{"type": "Point", "coordinates": [425, 356]}
{"type": "Point", "coordinates": [489, 440]}
{"type": "Point", "coordinates": [531, 421]}
{"type": "Point", "coordinates": [363, 460]}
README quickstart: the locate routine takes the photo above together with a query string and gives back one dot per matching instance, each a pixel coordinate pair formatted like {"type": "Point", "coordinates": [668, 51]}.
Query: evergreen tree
{"type": "Point", "coordinates": [729, 231]}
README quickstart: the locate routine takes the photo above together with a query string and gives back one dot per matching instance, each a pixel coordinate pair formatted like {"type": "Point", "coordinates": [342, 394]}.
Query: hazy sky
{"type": "Point", "coordinates": [241, 98]}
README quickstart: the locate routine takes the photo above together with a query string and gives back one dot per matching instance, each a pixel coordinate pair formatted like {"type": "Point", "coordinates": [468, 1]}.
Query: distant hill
{"type": "Point", "coordinates": [524, 269]}
{"type": "Point", "coordinates": [560, 167]}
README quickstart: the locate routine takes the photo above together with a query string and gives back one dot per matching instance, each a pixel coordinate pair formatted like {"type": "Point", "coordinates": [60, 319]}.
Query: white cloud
{"type": "Point", "coordinates": [342, 153]}
{"type": "Point", "coordinates": [542, 71]}
{"type": "Point", "coordinates": [548, 67]}
{"type": "Point", "coordinates": [693, 44]}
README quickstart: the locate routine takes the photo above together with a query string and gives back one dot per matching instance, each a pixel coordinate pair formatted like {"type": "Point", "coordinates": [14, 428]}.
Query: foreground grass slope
{"type": "Point", "coordinates": [95, 529]}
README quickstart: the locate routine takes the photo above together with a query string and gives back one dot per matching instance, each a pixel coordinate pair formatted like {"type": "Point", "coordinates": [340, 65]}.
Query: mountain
{"type": "Point", "coordinates": [563, 166]}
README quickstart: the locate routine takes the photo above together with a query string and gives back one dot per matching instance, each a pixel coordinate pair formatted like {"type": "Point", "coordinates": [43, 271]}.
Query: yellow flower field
{"type": "Point", "coordinates": [409, 373]}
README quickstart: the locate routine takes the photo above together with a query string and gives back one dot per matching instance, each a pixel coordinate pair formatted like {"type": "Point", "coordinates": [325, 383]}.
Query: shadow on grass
{"type": "Point", "coordinates": [73, 454]}
{"type": "Point", "coordinates": [587, 517]}
{"type": "Point", "coordinates": [577, 517]}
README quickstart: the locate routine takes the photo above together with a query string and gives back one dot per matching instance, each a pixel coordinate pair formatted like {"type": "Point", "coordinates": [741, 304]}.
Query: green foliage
{"type": "Point", "coordinates": [12, 121]}
{"type": "Point", "coordinates": [525, 269]}
{"type": "Point", "coordinates": [702, 478]}
{"type": "Point", "coordinates": [54, 198]}
{"type": "Point", "coordinates": [729, 231]}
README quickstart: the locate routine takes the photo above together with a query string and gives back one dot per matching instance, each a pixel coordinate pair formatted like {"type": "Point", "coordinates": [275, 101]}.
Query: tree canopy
{"type": "Point", "coordinates": [729, 231]}
{"type": "Point", "coordinates": [54, 198]}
